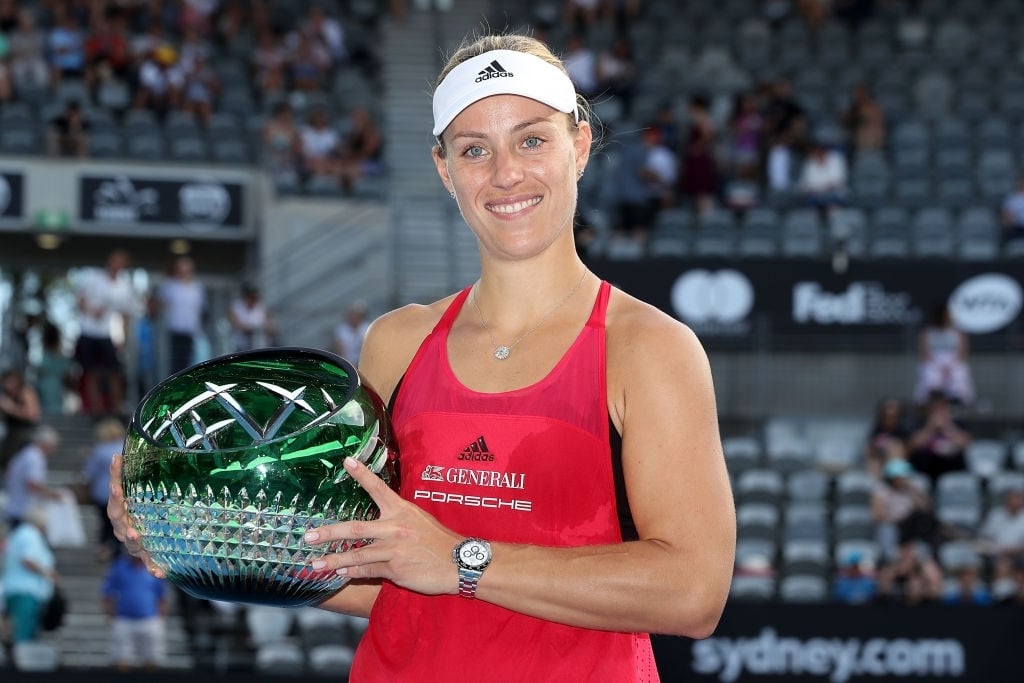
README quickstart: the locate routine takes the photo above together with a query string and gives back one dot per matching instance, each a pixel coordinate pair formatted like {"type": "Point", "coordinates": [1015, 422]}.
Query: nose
{"type": "Point", "coordinates": [508, 169]}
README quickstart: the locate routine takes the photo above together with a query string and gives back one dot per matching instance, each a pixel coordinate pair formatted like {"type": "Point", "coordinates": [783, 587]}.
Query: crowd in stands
{"type": "Point", "coordinates": [211, 71]}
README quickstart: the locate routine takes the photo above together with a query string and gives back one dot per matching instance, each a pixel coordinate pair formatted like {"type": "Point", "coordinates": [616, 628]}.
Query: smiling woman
{"type": "Point", "coordinates": [563, 490]}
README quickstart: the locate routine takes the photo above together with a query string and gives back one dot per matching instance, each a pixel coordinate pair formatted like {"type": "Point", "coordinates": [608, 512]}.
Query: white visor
{"type": "Point", "coordinates": [502, 72]}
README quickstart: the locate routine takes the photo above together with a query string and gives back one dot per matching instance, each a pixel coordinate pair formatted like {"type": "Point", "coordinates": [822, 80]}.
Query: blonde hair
{"type": "Point", "coordinates": [517, 42]}
{"type": "Point", "coordinates": [109, 429]}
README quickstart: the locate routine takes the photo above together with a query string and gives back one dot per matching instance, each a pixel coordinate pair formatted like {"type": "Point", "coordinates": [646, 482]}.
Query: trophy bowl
{"type": "Point", "coordinates": [229, 462]}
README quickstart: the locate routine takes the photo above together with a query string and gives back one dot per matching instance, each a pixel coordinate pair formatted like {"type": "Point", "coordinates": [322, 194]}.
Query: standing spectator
{"type": "Point", "coordinates": [937, 446]}
{"type": "Point", "coordinates": [700, 170]}
{"type": "Point", "coordinates": [54, 373]}
{"type": "Point", "coordinates": [28, 54]}
{"type": "Point", "coordinates": [349, 334]}
{"type": "Point", "coordinates": [105, 298]}
{"type": "Point", "coordinates": [1013, 213]}
{"type": "Point", "coordinates": [581, 63]}
{"type": "Point", "coordinates": [25, 477]}
{"type": "Point", "coordinates": [29, 575]}
{"type": "Point", "coordinates": [902, 510]}
{"type": "Point", "coordinates": [183, 303]}
{"type": "Point", "coordinates": [888, 437]}
{"type": "Point", "coordinates": [108, 440]}
{"type": "Point", "coordinates": [69, 132]}
{"type": "Point", "coordinates": [823, 178]}
{"type": "Point", "coordinates": [943, 353]}
{"type": "Point", "coordinates": [20, 410]}
{"type": "Point", "coordinates": [136, 602]}
{"type": "Point", "coordinates": [147, 345]}
{"type": "Point", "coordinates": [864, 121]}
{"type": "Point", "coordinates": [251, 324]}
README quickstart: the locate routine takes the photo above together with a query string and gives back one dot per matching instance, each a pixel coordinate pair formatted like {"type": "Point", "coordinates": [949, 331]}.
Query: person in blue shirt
{"type": "Point", "coordinates": [855, 582]}
{"type": "Point", "coordinates": [108, 440]}
{"type": "Point", "coordinates": [29, 575]}
{"type": "Point", "coordinates": [136, 602]}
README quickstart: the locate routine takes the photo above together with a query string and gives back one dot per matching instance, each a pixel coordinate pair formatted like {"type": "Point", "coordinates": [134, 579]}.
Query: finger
{"type": "Point", "coordinates": [343, 531]}
{"type": "Point", "coordinates": [374, 485]}
{"type": "Point", "coordinates": [364, 555]}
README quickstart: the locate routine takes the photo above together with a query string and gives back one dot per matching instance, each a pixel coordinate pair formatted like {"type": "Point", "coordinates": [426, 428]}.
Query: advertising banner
{"type": "Point", "coordinates": [199, 205]}
{"type": "Point", "coordinates": [804, 304]}
{"type": "Point", "coordinates": [762, 643]}
{"type": "Point", "coordinates": [12, 200]}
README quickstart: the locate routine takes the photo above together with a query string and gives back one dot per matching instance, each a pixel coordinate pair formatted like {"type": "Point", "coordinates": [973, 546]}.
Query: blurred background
{"type": "Point", "coordinates": [829, 192]}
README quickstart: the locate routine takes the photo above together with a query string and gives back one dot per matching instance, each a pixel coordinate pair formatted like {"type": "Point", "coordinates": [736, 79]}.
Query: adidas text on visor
{"type": "Point", "coordinates": [502, 72]}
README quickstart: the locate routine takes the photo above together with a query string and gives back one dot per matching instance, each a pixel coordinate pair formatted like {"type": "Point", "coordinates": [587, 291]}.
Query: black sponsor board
{"type": "Point", "coordinates": [200, 204]}
{"type": "Point", "coordinates": [12, 200]}
{"type": "Point", "coordinates": [767, 643]}
{"type": "Point", "coordinates": [799, 304]}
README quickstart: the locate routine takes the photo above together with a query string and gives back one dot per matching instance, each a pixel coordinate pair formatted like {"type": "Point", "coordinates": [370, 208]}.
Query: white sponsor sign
{"type": "Point", "coordinates": [703, 297]}
{"type": "Point", "coordinates": [985, 303]}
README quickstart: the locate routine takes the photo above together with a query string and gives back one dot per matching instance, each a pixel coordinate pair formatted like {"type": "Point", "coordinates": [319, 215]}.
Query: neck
{"type": "Point", "coordinates": [514, 297]}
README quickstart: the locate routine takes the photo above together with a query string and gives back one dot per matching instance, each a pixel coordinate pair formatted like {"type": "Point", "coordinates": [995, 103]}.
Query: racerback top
{"type": "Point", "coordinates": [534, 465]}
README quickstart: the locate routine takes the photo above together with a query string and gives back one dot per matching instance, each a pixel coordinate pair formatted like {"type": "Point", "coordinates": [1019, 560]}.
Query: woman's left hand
{"type": "Point", "coordinates": [410, 547]}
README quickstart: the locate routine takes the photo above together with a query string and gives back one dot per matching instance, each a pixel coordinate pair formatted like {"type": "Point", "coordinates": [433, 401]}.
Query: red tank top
{"type": "Point", "coordinates": [533, 465]}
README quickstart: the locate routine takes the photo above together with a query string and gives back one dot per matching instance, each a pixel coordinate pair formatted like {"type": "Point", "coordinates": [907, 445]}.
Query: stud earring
{"type": "Point", "coordinates": [579, 174]}
{"type": "Point", "coordinates": [452, 194]}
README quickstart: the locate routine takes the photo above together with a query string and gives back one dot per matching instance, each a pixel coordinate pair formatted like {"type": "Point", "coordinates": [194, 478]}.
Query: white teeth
{"type": "Point", "coordinates": [512, 208]}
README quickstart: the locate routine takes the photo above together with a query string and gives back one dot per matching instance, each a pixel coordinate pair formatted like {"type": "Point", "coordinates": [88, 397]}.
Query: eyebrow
{"type": "Point", "coordinates": [522, 125]}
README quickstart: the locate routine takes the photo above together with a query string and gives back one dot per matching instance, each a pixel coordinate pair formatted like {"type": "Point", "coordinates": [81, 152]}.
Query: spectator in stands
{"type": "Point", "coordinates": [69, 132]}
{"type": "Point", "coordinates": [616, 72]}
{"type": "Point", "coordinates": [269, 62]}
{"type": "Point", "coordinates": [182, 301]}
{"type": "Point", "coordinates": [66, 43]}
{"type": "Point", "coordinates": [136, 602]}
{"type": "Point", "coordinates": [1013, 213]}
{"type": "Point", "coordinates": [251, 324]}
{"type": "Point", "coordinates": [581, 63]}
{"type": "Point", "coordinates": [327, 31]}
{"type": "Point", "coordinates": [161, 80]}
{"type": "Point", "coordinates": [105, 299]}
{"type": "Point", "coordinates": [1014, 593]}
{"type": "Point", "coordinates": [968, 589]}
{"type": "Point", "coordinates": [147, 346]}
{"type": "Point", "coordinates": [1002, 534]}
{"type": "Point", "coordinates": [581, 14]}
{"type": "Point", "coordinates": [26, 475]}
{"type": "Point", "coordinates": [855, 582]}
{"type": "Point", "coordinates": [646, 177]}
{"type": "Point", "coordinates": [699, 167]}
{"type": "Point", "coordinates": [54, 373]}
{"type": "Point", "coordinates": [784, 118]}
{"type": "Point", "coordinates": [823, 178]}
{"type": "Point", "coordinates": [28, 54]}
{"type": "Point", "coordinates": [937, 445]}
{"type": "Point", "coordinates": [20, 410]}
{"type": "Point", "coordinates": [351, 331]}
{"type": "Point", "coordinates": [107, 50]}
{"type": "Point", "coordinates": [360, 150]}
{"type": "Point", "coordinates": [320, 145]}
{"type": "Point", "coordinates": [902, 511]}
{"type": "Point", "coordinates": [201, 88]}
{"type": "Point", "coordinates": [29, 575]}
{"type": "Point", "coordinates": [6, 77]}
{"type": "Point", "coordinates": [780, 165]}
{"type": "Point", "coordinates": [913, 578]}
{"type": "Point", "coordinates": [108, 440]}
{"type": "Point", "coordinates": [864, 121]}
{"type": "Point", "coordinates": [888, 437]}
{"type": "Point", "coordinates": [283, 146]}
{"type": "Point", "coordinates": [943, 360]}
{"type": "Point", "coordinates": [746, 130]}
{"type": "Point", "coordinates": [308, 64]}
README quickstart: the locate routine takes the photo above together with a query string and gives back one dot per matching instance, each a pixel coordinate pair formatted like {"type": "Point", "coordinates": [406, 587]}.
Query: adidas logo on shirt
{"type": "Point", "coordinates": [476, 451]}
{"type": "Point", "coordinates": [493, 70]}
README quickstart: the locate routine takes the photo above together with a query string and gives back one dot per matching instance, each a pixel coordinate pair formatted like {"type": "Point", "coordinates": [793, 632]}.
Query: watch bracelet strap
{"type": "Point", "coordinates": [468, 579]}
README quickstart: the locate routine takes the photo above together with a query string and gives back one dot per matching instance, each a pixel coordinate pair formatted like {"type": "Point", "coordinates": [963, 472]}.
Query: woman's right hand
{"type": "Point", "coordinates": [117, 511]}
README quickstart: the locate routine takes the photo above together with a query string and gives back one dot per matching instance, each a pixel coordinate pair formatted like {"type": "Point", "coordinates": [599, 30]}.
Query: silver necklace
{"type": "Point", "coordinates": [503, 351]}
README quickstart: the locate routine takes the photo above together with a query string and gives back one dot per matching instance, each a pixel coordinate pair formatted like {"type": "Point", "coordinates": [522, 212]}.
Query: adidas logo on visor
{"type": "Point", "coordinates": [493, 70]}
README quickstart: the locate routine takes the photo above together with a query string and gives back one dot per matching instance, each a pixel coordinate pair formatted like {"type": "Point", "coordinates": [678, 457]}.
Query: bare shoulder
{"type": "Point", "coordinates": [636, 330]}
{"type": "Point", "coordinates": [392, 341]}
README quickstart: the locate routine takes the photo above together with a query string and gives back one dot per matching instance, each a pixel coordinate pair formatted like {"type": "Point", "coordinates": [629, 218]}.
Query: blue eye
{"type": "Point", "coordinates": [532, 141]}
{"type": "Point", "coordinates": [474, 151]}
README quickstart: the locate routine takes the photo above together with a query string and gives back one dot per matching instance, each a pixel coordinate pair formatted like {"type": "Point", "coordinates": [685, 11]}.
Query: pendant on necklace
{"type": "Point", "coordinates": [502, 352]}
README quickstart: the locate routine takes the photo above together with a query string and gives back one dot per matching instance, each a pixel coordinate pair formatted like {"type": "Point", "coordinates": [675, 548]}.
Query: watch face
{"type": "Point", "coordinates": [474, 554]}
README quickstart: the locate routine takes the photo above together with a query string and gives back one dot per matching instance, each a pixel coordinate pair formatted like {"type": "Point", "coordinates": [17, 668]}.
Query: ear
{"type": "Point", "coordinates": [441, 164]}
{"type": "Point", "coordinates": [584, 139]}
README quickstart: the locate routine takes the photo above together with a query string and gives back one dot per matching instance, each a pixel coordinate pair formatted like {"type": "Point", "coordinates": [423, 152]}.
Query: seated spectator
{"type": "Point", "coordinates": [282, 145]}
{"type": "Point", "coordinates": [361, 149]}
{"type": "Point", "coordinates": [308, 64]}
{"type": "Point", "coordinates": [914, 577]}
{"type": "Point", "coordinates": [968, 589]}
{"type": "Point", "coordinates": [943, 360]}
{"type": "Point", "coordinates": [161, 80]}
{"type": "Point", "coordinates": [645, 176]}
{"type": "Point", "coordinates": [326, 31]}
{"type": "Point", "coordinates": [1002, 535]}
{"type": "Point", "coordinates": [616, 72]}
{"type": "Point", "coordinates": [823, 178]}
{"type": "Point", "coordinates": [1013, 213]}
{"type": "Point", "coordinates": [937, 445]}
{"type": "Point", "coordinates": [1013, 591]}
{"type": "Point", "coordinates": [746, 129]}
{"type": "Point", "coordinates": [855, 582]}
{"type": "Point", "coordinates": [107, 50]}
{"type": "Point", "coordinates": [902, 511]}
{"type": "Point", "coordinates": [29, 69]}
{"type": "Point", "coordinates": [784, 116]}
{"type": "Point", "coordinates": [136, 601]}
{"type": "Point", "coordinates": [699, 168]}
{"type": "Point", "coordinates": [201, 88]}
{"type": "Point", "coordinates": [66, 43]}
{"type": "Point", "coordinates": [864, 121]}
{"type": "Point", "coordinates": [269, 62]}
{"type": "Point", "coordinates": [69, 132]}
{"type": "Point", "coordinates": [888, 437]}
{"type": "Point", "coordinates": [320, 145]}
{"type": "Point", "coordinates": [29, 575]}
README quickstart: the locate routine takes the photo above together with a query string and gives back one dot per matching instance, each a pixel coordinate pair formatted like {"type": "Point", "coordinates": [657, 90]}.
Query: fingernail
{"type": "Point", "coordinates": [341, 572]}
{"type": "Point", "coordinates": [319, 564]}
{"type": "Point", "coordinates": [311, 536]}
{"type": "Point", "coordinates": [351, 463]}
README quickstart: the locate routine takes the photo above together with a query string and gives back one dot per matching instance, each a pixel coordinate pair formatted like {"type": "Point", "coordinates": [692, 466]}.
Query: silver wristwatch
{"type": "Point", "coordinates": [471, 557]}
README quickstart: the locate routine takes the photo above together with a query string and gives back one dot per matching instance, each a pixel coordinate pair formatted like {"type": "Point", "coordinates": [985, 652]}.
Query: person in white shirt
{"type": "Point", "coordinates": [349, 334]}
{"type": "Point", "coordinates": [26, 474]}
{"type": "Point", "coordinates": [251, 324]}
{"type": "Point", "coordinates": [105, 299]}
{"type": "Point", "coordinates": [1002, 534]}
{"type": "Point", "coordinates": [823, 178]}
{"type": "Point", "coordinates": [183, 302]}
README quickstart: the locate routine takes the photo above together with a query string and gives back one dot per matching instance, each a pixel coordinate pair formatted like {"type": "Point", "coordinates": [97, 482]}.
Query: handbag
{"type": "Point", "coordinates": [52, 614]}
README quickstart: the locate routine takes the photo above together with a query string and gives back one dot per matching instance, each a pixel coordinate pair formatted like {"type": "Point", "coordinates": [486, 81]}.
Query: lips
{"type": "Point", "coordinates": [508, 208]}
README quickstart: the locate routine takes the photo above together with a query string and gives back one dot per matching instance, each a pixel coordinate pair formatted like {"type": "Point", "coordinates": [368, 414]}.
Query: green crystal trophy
{"type": "Point", "coordinates": [229, 462]}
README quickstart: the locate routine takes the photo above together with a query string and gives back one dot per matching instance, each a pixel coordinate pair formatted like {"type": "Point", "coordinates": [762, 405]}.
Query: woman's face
{"type": "Point", "coordinates": [513, 164]}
